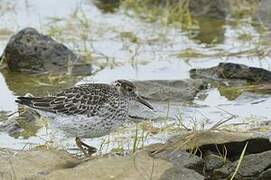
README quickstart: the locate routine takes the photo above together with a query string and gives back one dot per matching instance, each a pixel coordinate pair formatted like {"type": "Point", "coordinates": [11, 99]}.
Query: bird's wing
{"type": "Point", "coordinates": [85, 99]}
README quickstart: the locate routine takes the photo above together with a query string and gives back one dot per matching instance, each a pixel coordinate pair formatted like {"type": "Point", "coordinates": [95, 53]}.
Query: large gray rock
{"type": "Point", "coordinates": [252, 166]}
{"type": "Point", "coordinates": [170, 90]}
{"type": "Point", "coordinates": [220, 150]}
{"type": "Point", "coordinates": [52, 164]}
{"type": "Point", "coordinates": [32, 52]}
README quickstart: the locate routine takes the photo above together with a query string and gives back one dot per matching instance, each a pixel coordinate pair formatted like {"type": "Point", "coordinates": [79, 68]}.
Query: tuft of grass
{"type": "Point", "coordinates": [245, 36]}
{"type": "Point", "coordinates": [166, 12]}
{"type": "Point", "coordinates": [136, 140]}
{"type": "Point", "coordinates": [191, 53]}
{"type": "Point", "coordinates": [130, 36]}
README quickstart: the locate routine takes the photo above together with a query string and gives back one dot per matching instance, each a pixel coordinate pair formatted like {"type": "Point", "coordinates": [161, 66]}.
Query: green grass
{"type": "Point", "coordinates": [167, 13]}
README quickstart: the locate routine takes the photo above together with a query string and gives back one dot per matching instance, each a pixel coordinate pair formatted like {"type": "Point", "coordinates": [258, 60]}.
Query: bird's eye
{"type": "Point", "coordinates": [130, 89]}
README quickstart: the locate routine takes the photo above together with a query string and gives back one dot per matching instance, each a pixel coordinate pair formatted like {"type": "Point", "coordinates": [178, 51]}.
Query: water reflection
{"type": "Point", "coordinates": [37, 85]}
{"type": "Point", "coordinates": [211, 31]}
{"type": "Point", "coordinates": [107, 6]}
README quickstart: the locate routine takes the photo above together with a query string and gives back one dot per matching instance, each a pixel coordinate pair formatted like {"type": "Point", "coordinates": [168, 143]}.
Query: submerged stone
{"type": "Point", "coordinates": [170, 90]}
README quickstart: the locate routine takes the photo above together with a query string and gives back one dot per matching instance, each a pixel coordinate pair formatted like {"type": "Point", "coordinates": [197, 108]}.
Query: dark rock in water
{"type": "Point", "coordinates": [170, 90]}
{"type": "Point", "coordinates": [32, 52]}
{"type": "Point", "coordinates": [232, 71]}
{"type": "Point", "coordinates": [107, 6]}
{"type": "Point", "coordinates": [24, 125]}
{"type": "Point", "coordinates": [161, 94]}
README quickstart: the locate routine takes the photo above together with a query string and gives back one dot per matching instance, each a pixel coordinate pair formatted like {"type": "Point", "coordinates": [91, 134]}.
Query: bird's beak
{"type": "Point", "coordinates": [144, 102]}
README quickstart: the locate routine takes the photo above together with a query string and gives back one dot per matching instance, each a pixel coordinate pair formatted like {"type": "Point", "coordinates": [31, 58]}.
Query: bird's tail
{"type": "Point", "coordinates": [35, 102]}
{"type": "Point", "coordinates": [24, 101]}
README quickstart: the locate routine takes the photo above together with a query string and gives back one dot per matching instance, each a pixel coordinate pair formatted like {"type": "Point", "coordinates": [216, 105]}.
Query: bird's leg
{"type": "Point", "coordinates": [79, 144]}
{"type": "Point", "coordinates": [90, 150]}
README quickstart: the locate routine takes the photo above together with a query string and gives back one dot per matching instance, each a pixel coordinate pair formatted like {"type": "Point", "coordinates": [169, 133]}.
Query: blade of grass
{"type": "Point", "coordinates": [240, 160]}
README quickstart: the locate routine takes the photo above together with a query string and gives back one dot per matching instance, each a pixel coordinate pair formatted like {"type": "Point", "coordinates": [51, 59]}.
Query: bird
{"type": "Point", "coordinates": [88, 110]}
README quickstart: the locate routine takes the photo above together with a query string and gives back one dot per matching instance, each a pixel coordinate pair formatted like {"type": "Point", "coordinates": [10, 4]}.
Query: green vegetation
{"type": "Point", "coordinates": [167, 13]}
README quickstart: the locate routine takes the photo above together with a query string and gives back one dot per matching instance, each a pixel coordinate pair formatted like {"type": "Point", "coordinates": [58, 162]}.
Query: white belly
{"type": "Point", "coordinates": [83, 126]}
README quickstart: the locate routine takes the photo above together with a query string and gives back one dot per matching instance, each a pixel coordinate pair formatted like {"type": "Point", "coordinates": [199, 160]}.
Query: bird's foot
{"type": "Point", "coordinates": [85, 148]}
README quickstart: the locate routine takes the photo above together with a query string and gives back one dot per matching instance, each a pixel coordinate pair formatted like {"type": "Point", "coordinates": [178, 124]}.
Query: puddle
{"type": "Point", "coordinates": [127, 47]}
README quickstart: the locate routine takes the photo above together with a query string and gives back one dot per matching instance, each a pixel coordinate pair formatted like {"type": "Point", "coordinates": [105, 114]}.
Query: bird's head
{"type": "Point", "coordinates": [128, 89]}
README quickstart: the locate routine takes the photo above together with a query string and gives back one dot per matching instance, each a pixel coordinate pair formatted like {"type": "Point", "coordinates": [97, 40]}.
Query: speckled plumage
{"type": "Point", "coordinates": [89, 110]}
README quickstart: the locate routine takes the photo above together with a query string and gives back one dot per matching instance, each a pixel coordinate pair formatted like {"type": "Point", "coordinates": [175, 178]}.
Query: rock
{"type": "Point", "coordinates": [213, 161]}
{"type": "Point", "coordinates": [252, 166]}
{"type": "Point", "coordinates": [52, 164]}
{"type": "Point", "coordinates": [139, 166]}
{"type": "Point", "coordinates": [214, 147]}
{"type": "Point", "coordinates": [210, 140]}
{"type": "Point", "coordinates": [24, 125]}
{"type": "Point", "coordinates": [265, 175]}
{"type": "Point", "coordinates": [185, 165]}
{"type": "Point", "coordinates": [162, 92]}
{"type": "Point", "coordinates": [182, 159]}
{"type": "Point", "coordinates": [223, 172]}
{"type": "Point", "coordinates": [107, 6]}
{"type": "Point", "coordinates": [170, 90]}
{"type": "Point", "coordinates": [232, 79]}
{"type": "Point", "coordinates": [32, 52]}
{"type": "Point", "coordinates": [33, 163]}
{"type": "Point", "coordinates": [232, 71]}
{"type": "Point", "coordinates": [182, 174]}
{"type": "Point", "coordinates": [155, 162]}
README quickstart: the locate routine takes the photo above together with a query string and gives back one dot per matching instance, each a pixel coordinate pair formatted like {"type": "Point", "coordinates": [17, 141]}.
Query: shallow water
{"type": "Point", "coordinates": [126, 47]}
